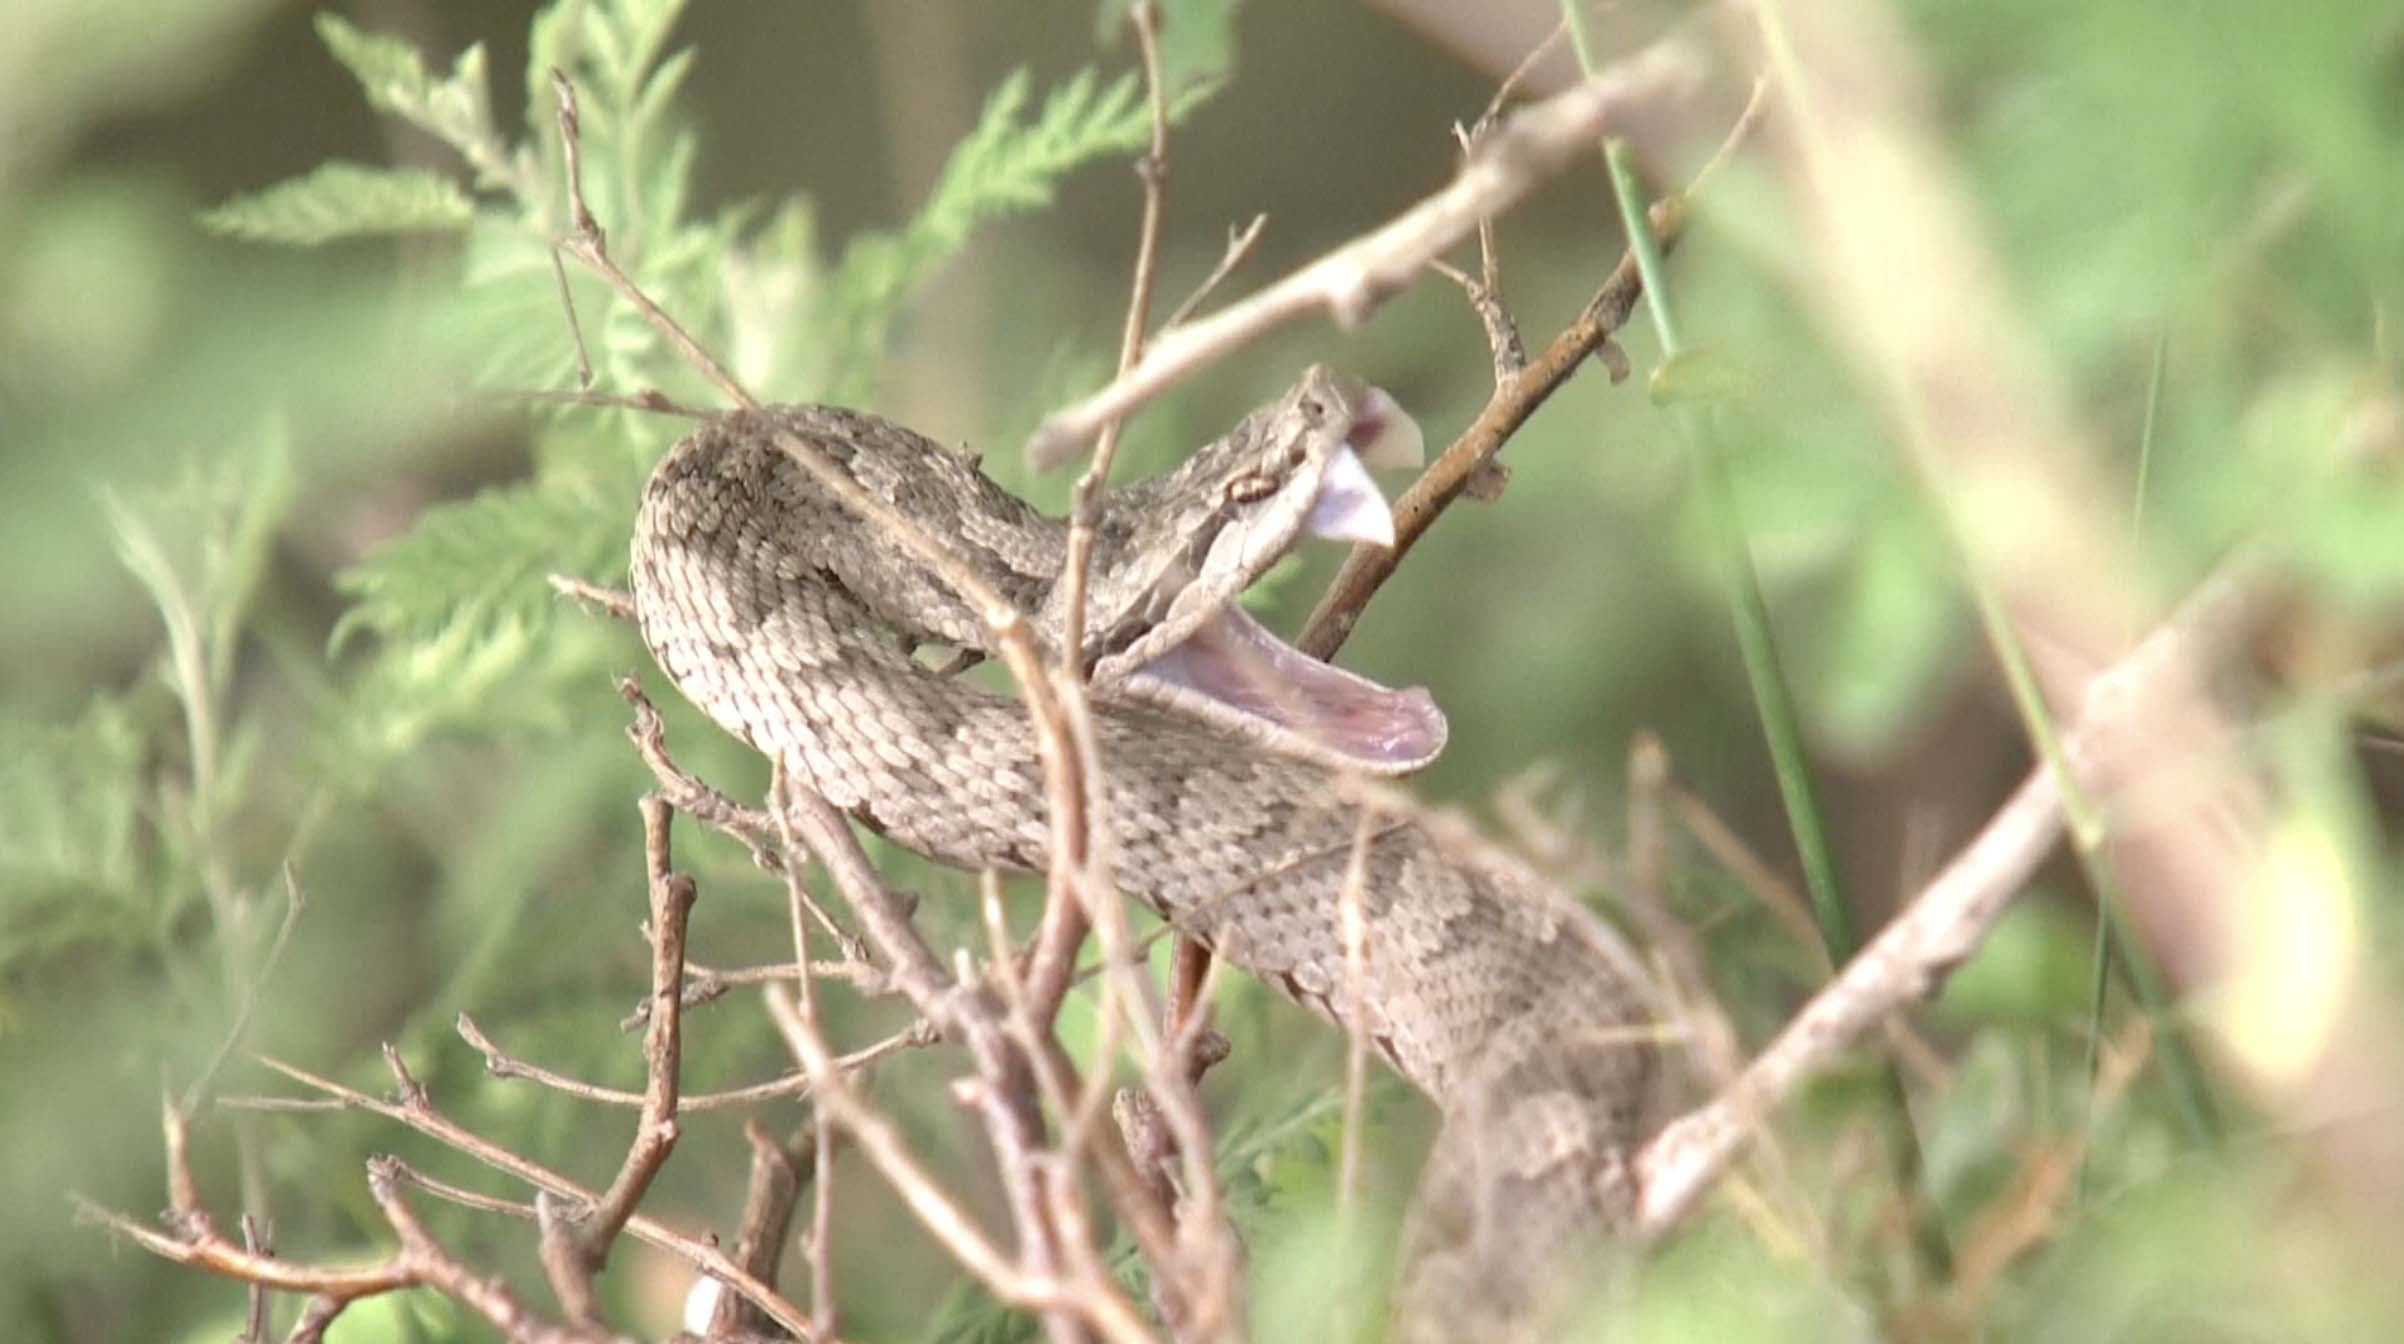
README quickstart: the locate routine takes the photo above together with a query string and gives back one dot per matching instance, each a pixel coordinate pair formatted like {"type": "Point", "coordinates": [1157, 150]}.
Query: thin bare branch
{"type": "Point", "coordinates": [1459, 468]}
{"type": "Point", "coordinates": [224, 1258]}
{"type": "Point", "coordinates": [434, 1267]}
{"type": "Point", "coordinates": [1078, 877]}
{"type": "Point", "coordinates": [767, 1218]}
{"type": "Point", "coordinates": [672, 895]}
{"type": "Point", "coordinates": [257, 1239]}
{"type": "Point", "coordinates": [1240, 243]}
{"type": "Point", "coordinates": [501, 1064]}
{"type": "Point", "coordinates": [708, 985]}
{"type": "Point", "coordinates": [183, 1193]}
{"type": "Point", "coordinates": [1367, 568]}
{"type": "Point", "coordinates": [567, 301]}
{"type": "Point", "coordinates": [295, 902]}
{"type": "Point", "coordinates": [964, 1011]}
{"type": "Point", "coordinates": [588, 244]}
{"type": "Point", "coordinates": [881, 1141]}
{"type": "Point", "coordinates": [563, 1260]}
{"type": "Point", "coordinates": [608, 601]}
{"type": "Point", "coordinates": [1349, 282]}
{"type": "Point", "coordinates": [799, 908]}
{"type": "Point", "coordinates": [649, 400]}
{"type": "Point", "coordinates": [413, 1109]}
{"type": "Point", "coordinates": [1941, 928]}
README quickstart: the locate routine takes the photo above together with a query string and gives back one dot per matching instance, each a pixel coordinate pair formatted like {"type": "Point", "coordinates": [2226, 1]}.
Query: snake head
{"type": "Point", "coordinates": [1174, 553]}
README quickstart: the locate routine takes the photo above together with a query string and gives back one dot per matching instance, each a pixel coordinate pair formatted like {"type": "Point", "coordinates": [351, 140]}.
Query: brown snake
{"type": "Point", "coordinates": [1232, 764]}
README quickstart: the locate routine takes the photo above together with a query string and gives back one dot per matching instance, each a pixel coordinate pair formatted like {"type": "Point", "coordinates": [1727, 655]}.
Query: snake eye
{"type": "Point", "coordinates": [1250, 486]}
{"type": "Point", "coordinates": [1313, 409]}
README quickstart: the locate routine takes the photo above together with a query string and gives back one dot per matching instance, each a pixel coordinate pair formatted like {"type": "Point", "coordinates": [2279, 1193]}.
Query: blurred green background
{"type": "Point", "coordinates": [275, 586]}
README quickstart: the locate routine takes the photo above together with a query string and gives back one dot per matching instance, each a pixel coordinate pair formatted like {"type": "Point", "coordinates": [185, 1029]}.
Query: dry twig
{"type": "Point", "coordinates": [1910, 958]}
{"type": "Point", "coordinates": [1347, 283]}
{"type": "Point", "coordinates": [1515, 398]}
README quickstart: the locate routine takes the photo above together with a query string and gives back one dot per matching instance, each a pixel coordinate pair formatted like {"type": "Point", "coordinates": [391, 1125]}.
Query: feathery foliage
{"type": "Point", "coordinates": [72, 793]}
{"type": "Point", "coordinates": [1003, 167]}
{"type": "Point", "coordinates": [345, 200]}
{"type": "Point", "coordinates": [466, 633]}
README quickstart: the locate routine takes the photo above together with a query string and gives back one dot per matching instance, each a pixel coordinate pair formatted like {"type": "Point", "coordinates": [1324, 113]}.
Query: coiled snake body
{"type": "Point", "coordinates": [780, 615]}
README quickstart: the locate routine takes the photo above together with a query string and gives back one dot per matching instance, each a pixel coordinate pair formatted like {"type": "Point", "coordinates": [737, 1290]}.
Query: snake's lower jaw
{"type": "Point", "coordinates": [1237, 673]}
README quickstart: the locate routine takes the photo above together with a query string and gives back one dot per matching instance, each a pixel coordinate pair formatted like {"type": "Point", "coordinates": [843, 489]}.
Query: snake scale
{"type": "Point", "coordinates": [1233, 769]}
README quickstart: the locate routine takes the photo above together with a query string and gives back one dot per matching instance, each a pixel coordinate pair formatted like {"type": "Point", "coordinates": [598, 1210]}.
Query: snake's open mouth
{"type": "Point", "coordinates": [1237, 671]}
{"type": "Point", "coordinates": [1292, 700]}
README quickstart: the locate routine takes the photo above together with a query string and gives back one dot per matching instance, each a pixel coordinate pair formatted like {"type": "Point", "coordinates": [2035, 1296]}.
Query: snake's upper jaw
{"type": "Point", "coordinates": [1350, 507]}
{"type": "Point", "coordinates": [1384, 434]}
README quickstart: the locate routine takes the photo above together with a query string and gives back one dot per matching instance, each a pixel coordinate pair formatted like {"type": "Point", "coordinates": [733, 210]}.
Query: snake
{"type": "Point", "coordinates": [1241, 794]}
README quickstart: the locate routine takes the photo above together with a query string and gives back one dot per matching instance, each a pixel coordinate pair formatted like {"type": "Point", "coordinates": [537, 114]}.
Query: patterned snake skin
{"type": "Point", "coordinates": [781, 616]}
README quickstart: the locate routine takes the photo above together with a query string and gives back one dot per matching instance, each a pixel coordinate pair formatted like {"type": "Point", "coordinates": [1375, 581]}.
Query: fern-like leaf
{"type": "Point", "coordinates": [467, 632]}
{"type": "Point", "coordinates": [464, 628]}
{"type": "Point", "coordinates": [72, 793]}
{"type": "Point", "coordinates": [486, 557]}
{"type": "Point", "coordinates": [344, 200]}
{"type": "Point", "coordinates": [456, 110]}
{"type": "Point", "coordinates": [1003, 167]}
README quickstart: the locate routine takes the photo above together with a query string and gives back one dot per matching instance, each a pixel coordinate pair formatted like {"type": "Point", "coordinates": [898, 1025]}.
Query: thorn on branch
{"type": "Point", "coordinates": [410, 1093]}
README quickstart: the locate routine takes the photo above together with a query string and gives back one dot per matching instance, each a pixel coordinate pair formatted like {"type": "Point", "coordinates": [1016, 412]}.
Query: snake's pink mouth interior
{"type": "Point", "coordinates": [1243, 667]}
{"type": "Point", "coordinates": [1241, 664]}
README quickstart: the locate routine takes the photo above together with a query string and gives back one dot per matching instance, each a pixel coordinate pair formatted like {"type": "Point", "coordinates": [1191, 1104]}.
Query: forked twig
{"type": "Point", "coordinates": [1347, 283]}
{"type": "Point", "coordinates": [671, 895]}
{"type": "Point", "coordinates": [414, 1109]}
{"type": "Point", "coordinates": [1516, 398]}
{"type": "Point", "coordinates": [1240, 243]}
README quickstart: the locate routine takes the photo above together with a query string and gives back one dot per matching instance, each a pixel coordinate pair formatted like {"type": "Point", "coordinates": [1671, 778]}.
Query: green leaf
{"type": "Point", "coordinates": [456, 110]}
{"type": "Point", "coordinates": [498, 671]}
{"type": "Point", "coordinates": [69, 871]}
{"type": "Point", "coordinates": [2031, 971]}
{"type": "Point", "coordinates": [388, 69]}
{"type": "Point", "coordinates": [1004, 167]}
{"type": "Point", "coordinates": [486, 557]}
{"type": "Point", "coordinates": [468, 633]}
{"type": "Point", "coordinates": [344, 200]}
{"type": "Point", "coordinates": [624, 41]}
{"type": "Point", "coordinates": [1197, 39]}
{"type": "Point", "coordinates": [1894, 624]}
